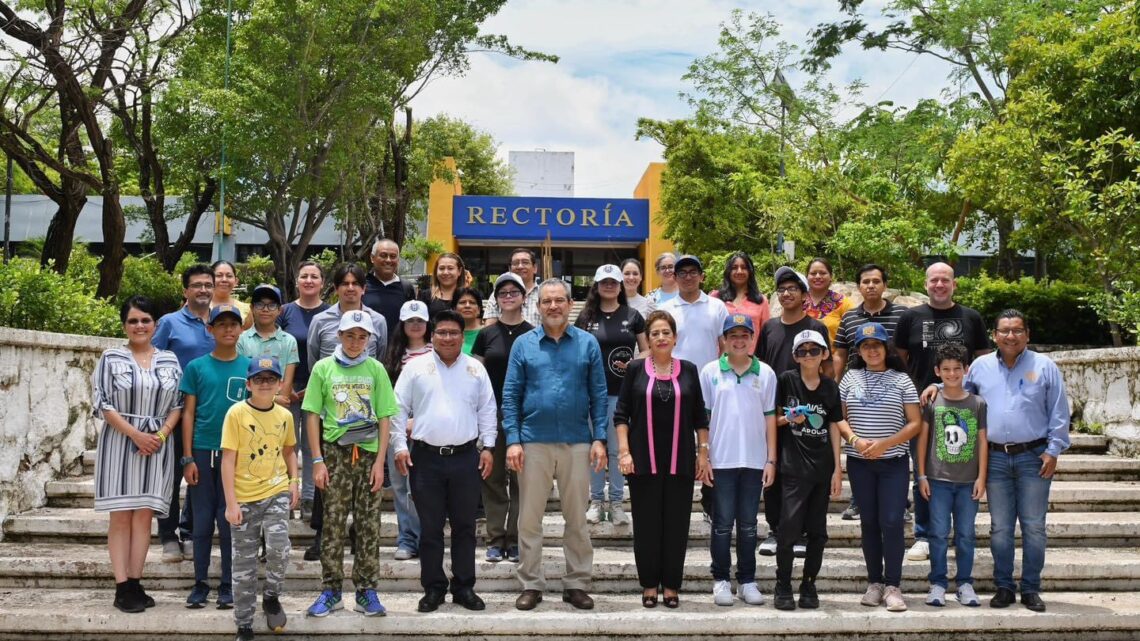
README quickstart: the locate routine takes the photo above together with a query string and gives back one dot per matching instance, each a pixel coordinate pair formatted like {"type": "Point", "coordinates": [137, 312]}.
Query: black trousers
{"type": "Point", "coordinates": [446, 488]}
{"type": "Point", "coordinates": [662, 505]}
{"type": "Point", "coordinates": [804, 509]}
{"type": "Point", "coordinates": [773, 495]}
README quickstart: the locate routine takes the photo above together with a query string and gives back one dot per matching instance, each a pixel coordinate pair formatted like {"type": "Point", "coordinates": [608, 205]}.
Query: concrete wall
{"type": "Point", "coordinates": [1104, 387]}
{"type": "Point", "coordinates": [45, 411]}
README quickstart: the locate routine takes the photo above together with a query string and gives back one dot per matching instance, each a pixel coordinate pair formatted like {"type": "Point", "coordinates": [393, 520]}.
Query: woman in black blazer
{"type": "Point", "coordinates": [663, 434]}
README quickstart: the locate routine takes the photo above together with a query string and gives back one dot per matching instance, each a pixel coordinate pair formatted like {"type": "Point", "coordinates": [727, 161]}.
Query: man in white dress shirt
{"type": "Point", "coordinates": [450, 396]}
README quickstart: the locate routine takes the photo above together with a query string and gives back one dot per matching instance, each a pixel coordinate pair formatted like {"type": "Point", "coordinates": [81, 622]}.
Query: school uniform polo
{"type": "Point", "coordinates": [739, 405]}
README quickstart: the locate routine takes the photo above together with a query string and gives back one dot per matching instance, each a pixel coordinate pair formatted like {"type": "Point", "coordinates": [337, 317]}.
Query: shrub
{"type": "Point", "coordinates": [41, 299]}
{"type": "Point", "coordinates": [255, 271]}
{"type": "Point", "coordinates": [145, 276]}
{"type": "Point", "coordinates": [1057, 311]}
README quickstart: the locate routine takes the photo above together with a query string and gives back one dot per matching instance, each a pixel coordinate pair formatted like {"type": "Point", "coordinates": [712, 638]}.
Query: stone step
{"type": "Point", "coordinates": [1084, 529]}
{"type": "Point", "coordinates": [25, 565]}
{"type": "Point", "coordinates": [1064, 496]}
{"type": "Point", "coordinates": [88, 615]}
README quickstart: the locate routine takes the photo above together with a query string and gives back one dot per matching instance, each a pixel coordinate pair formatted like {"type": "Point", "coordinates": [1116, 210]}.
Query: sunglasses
{"type": "Point", "coordinates": [811, 351]}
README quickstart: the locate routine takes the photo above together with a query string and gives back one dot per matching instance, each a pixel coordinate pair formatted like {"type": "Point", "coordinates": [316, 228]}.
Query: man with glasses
{"type": "Point", "coordinates": [699, 317]}
{"type": "Point", "coordinates": [777, 338]}
{"type": "Point", "coordinates": [452, 447]}
{"type": "Point", "coordinates": [554, 417]}
{"type": "Point", "coordinates": [265, 338]}
{"type": "Point", "coordinates": [524, 265]}
{"type": "Point", "coordinates": [920, 331]}
{"type": "Point", "coordinates": [184, 333]}
{"type": "Point", "coordinates": [384, 290]}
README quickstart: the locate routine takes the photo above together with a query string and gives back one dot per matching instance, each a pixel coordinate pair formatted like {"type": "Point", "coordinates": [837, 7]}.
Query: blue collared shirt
{"type": "Point", "coordinates": [1025, 402]}
{"type": "Point", "coordinates": [554, 389]}
{"type": "Point", "coordinates": [184, 334]}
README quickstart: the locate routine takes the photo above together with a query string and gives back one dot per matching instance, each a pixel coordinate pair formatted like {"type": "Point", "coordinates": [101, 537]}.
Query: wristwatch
{"type": "Point", "coordinates": [185, 460]}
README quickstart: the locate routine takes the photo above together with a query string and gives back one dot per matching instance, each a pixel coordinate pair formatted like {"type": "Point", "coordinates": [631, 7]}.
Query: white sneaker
{"type": "Point", "coordinates": [750, 594]}
{"type": "Point", "coordinates": [967, 596]}
{"type": "Point", "coordinates": [799, 549]}
{"type": "Point", "coordinates": [722, 593]}
{"type": "Point", "coordinates": [594, 513]}
{"type": "Point", "coordinates": [873, 597]}
{"type": "Point", "coordinates": [768, 547]}
{"type": "Point", "coordinates": [936, 596]}
{"type": "Point", "coordinates": [617, 514]}
{"type": "Point", "coordinates": [894, 599]}
{"type": "Point", "coordinates": [172, 552]}
{"type": "Point", "coordinates": [920, 551]}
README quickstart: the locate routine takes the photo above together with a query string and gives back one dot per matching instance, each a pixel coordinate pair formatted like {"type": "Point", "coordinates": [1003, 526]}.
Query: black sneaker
{"type": "Point", "coordinates": [127, 599]}
{"type": "Point", "coordinates": [225, 596]}
{"type": "Point", "coordinates": [244, 633]}
{"type": "Point", "coordinates": [783, 598]}
{"type": "Point", "coordinates": [809, 598]}
{"type": "Point", "coordinates": [274, 616]}
{"type": "Point", "coordinates": [198, 595]}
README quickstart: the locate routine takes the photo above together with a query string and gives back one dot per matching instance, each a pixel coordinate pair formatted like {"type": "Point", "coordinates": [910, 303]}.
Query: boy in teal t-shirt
{"type": "Point", "coordinates": [211, 384]}
{"type": "Point", "coordinates": [353, 392]}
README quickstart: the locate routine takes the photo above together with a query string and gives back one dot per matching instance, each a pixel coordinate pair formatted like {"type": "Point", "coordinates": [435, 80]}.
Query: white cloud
{"type": "Point", "coordinates": [621, 60]}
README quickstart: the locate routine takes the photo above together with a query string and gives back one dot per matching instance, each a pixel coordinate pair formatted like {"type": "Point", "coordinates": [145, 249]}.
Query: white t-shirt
{"type": "Point", "coordinates": [740, 406]}
{"type": "Point", "coordinates": [699, 325]}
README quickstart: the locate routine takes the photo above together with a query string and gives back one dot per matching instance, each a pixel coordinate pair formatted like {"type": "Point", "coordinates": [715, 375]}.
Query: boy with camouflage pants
{"type": "Point", "coordinates": [259, 478]}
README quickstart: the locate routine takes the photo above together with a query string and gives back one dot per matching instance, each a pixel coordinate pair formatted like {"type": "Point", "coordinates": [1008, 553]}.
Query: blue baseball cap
{"type": "Point", "coordinates": [688, 259]}
{"type": "Point", "coordinates": [226, 308]}
{"type": "Point", "coordinates": [266, 289]}
{"type": "Point", "coordinates": [738, 320]}
{"type": "Point", "coordinates": [263, 364]}
{"type": "Point", "coordinates": [871, 331]}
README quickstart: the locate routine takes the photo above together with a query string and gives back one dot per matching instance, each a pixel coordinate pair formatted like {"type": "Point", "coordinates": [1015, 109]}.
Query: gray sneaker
{"type": "Point", "coordinates": [172, 552]}
{"type": "Point", "coordinates": [404, 554]}
{"type": "Point", "coordinates": [936, 596]}
{"type": "Point", "coordinates": [873, 597]}
{"type": "Point", "coordinates": [894, 599]}
{"type": "Point", "coordinates": [851, 513]}
{"type": "Point", "coordinates": [768, 547]}
{"type": "Point", "coordinates": [967, 596]}
{"type": "Point", "coordinates": [617, 514]}
{"type": "Point", "coordinates": [594, 513]}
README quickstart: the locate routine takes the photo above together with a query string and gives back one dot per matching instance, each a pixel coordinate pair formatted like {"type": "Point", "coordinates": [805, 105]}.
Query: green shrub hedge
{"type": "Point", "coordinates": [1057, 311]}
{"type": "Point", "coordinates": [38, 298]}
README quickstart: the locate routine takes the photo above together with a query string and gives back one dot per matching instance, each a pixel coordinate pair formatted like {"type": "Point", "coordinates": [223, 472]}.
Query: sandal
{"type": "Point", "coordinates": [672, 602]}
{"type": "Point", "coordinates": [649, 600]}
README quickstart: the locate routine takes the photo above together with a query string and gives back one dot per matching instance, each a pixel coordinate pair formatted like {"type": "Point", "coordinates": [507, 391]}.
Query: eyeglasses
{"type": "Point", "coordinates": [447, 333]}
{"type": "Point", "coordinates": [509, 293]}
{"type": "Point", "coordinates": [263, 380]}
{"type": "Point", "coordinates": [551, 302]}
{"type": "Point", "coordinates": [205, 286]}
{"type": "Point", "coordinates": [784, 291]}
{"type": "Point", "coordinates": [140, 321]}
{"type": "Point", "coordinates": [687, 273]}
{"type": "Point", "coordinates": [1017, 331]}
{"type": "Point", "coordinates": [665, 268]}
{"type": "Point", "coordinates": [811, 351]}
{"type": "Point", "coordinates": [268, 307]}
{"type": "Point", "coordinates": [521, 263]}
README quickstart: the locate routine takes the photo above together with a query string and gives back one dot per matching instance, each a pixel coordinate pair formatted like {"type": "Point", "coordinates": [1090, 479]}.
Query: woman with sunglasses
{"type": "Point", "coordinates": [880, 405]}
{"type": "Point", "coordinates": [135, 392]}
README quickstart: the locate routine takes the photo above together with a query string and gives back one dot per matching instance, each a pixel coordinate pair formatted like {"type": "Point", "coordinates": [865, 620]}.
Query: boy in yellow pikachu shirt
{"type": "Point", "coordinates": [259, 478]}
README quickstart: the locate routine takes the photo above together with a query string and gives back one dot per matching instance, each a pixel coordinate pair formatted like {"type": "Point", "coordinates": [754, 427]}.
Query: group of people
{"type": "Point", "coordinates": [464, 411]}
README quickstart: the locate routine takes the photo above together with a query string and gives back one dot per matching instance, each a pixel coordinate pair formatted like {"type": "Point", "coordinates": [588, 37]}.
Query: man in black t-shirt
{"type": "Point", "coordinates": [384, 290]}
{"type": "Point", "coordinates": [920, 331]}
{"type": "Point", "coordinates": [775, 349]}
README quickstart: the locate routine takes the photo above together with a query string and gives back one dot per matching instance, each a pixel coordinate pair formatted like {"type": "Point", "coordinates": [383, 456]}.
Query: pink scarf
{"type": "Point", "coordinates": [676, 413]}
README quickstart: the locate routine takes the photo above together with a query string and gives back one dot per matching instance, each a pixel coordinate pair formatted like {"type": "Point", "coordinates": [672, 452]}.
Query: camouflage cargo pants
{"type": "Point", "coordinates": [271, 516]}
{"type": "Point", "coordinates": [349, 491]}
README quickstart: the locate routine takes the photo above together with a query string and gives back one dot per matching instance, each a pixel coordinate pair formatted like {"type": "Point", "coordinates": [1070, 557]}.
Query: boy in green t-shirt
{"type": "Point", "coordinates": [353, 393]}
{"type": "Point", "coordinates": [259, 477]}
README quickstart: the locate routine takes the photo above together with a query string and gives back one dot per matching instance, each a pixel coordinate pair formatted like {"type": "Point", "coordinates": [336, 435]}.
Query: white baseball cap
{"type": "Point", "coordinates": [356, 319]}
{"type": "Point", "coordinates": [413, 309]}
{"type": "Point", "coordinates": [808, 336]}
{"type": "Point", "coordinates": [607, 272]}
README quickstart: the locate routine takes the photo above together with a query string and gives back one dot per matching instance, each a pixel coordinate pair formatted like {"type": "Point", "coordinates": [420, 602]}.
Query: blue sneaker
{"type": "Point", "coordinates": [225, 596]}
{"type": "Point", "coordinates": [198, 595]}
{"type": "Point", "coordinates": [513, 553]}
{"type": "Point", "coordinates": [494, 553]}
{"type": "Point", "coordinates": [328, 601]}
{"type": "Point", "coordinates": [368, 603]}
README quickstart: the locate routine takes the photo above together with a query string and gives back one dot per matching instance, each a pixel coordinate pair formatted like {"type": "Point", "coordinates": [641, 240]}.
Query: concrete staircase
{"type": "Point", "coordinates": [55, 581]}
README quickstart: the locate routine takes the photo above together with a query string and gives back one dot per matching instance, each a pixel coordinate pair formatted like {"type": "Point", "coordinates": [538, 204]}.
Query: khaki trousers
{"type": "Point", "coordinates": [569, 464]}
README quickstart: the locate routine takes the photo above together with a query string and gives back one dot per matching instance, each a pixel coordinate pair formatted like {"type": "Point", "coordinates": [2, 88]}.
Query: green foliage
{"type": "Point", "coordinates": [145, 276]}
{"type": "Point", "coordinates": [1057, 311]}
{"type": "Point", "coordinates": [1121, 306]}
{"type": "Point", "coordinates": [420, 248]}
{"type": "Point", "coordinates": [766, 265]}
{"type": "Point", "coordinates": [41, 299]}
{"type": "Point", "coordinates": [253, 272]}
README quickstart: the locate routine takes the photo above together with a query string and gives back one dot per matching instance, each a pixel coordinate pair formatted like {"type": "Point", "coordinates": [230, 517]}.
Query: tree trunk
{"type": "Point", "coordinates": [114, 232]}
{"type": "Point", "coordinates": [61, 231]}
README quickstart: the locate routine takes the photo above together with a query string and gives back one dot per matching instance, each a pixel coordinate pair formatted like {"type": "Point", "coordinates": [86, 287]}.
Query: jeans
{"type": "Point", "coordinates": [879, 487]}
{"type": "Point", "coordinates": [921, 507]}
{"type": "Point", "coordinates": [306, 457]}
{"type": "Point", "coordinates": [209, 503]}
{"type": "Point", "coordinates": [407, 519]}
{"type": "Point", "coordinates": [737, 502]}
{"type": "Point", "coordinates": [946, 500]}
{"type": "Point", "coordinates": [1018, 493]}
{"type": "Point", "coordinates": [598, 479]}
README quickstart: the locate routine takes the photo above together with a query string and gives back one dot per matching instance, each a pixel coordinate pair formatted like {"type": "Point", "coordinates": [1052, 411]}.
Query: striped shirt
{"type": "Point", "coordinates": [874, 405]}
{"type": "Point", "coordinates": [888, 317]}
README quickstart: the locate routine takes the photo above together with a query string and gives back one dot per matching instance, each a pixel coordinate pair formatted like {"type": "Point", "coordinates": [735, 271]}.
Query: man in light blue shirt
{"type": "Point", "coordinates": [555, 383]}
{"type": "Point", "coordinates": [1028, 421]}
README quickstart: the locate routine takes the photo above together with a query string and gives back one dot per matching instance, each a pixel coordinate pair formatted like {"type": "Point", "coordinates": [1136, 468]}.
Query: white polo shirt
{"type": "Point", "coordinates": [451, 405]}
{"type": "Point", "coordinates": [699, 325]}
{"type": "Point", "coordinates": [740, 407]}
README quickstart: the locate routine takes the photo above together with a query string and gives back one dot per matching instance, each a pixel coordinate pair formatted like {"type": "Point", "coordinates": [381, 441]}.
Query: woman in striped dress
{"type": "Point", "coordinates": [136, 395]}
{"type": "Point", "coordinates": [881, 408]}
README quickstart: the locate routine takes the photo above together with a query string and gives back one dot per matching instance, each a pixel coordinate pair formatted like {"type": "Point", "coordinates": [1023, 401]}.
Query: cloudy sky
{"type": "Point", "coordinates": [621, 60]}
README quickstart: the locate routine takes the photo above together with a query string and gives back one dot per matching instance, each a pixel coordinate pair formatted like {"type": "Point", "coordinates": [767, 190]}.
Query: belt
{"type": "Point", "coordinates": [444, 450]}
{"type": "Point", "coordinates": [1017, 448]}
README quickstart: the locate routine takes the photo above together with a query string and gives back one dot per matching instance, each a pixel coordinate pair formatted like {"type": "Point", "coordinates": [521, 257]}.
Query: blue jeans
{"type": "Point", "coordinates": [737, 500]}
{"type": "Point", "coordinates": [598, 479]}
{"type": "Point", "coordinates": [302, 451]}
{"type": "Point", "coordinates": [209, 503]}
{"type": "Point", "coordinates": [1018, 493]}
{"type": "Point", "coordinates": [879, 487]}
{"type": "Point", "coordinates": [921, 507]}
{"type": "Point", "coordinates": [407, 519]}
{"type": "Point", "coordinates": [946, 500]}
